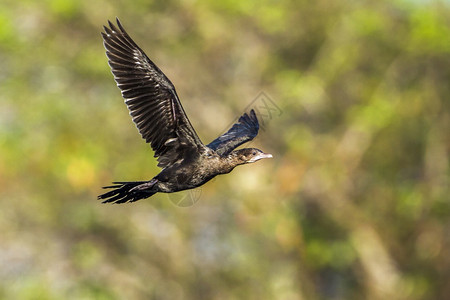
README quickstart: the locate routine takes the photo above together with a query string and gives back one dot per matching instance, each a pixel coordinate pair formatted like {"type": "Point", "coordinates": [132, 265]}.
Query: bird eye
{"type": "Point", "coordinates": [254, 153]}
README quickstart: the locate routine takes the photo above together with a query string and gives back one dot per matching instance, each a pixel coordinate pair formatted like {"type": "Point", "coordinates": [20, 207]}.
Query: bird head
{"type": "Point", "coordinates": [250, 155]}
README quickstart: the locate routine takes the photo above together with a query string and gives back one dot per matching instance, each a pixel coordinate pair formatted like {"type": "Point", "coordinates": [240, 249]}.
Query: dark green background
{"type": "Point", "coordinates": [354, 204]}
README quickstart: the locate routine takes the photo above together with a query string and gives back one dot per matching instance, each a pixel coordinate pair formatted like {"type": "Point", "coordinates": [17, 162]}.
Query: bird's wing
{"type": "Point", "coordinates": [151, 99]}
{"type": "Point", "coordinates": [243, 131]}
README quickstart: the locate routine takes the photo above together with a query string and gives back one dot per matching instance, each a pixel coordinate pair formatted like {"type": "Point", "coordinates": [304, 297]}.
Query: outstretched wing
{"type": "Point", "coordinates": [151, 99]}
{"type": "Point", "coordinates": [243, 131]}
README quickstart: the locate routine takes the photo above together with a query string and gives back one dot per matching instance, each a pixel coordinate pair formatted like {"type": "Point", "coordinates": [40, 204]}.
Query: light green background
{"type": "Point", "coordinates": [354, 204]}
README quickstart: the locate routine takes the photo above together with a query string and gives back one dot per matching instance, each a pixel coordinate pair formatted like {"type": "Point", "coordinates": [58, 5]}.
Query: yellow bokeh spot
{"type": "Point", "coordinates": [80, 172]}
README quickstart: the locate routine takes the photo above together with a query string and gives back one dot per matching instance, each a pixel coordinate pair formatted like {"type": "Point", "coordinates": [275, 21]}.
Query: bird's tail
{"type": "Point", "coordinates": [129, 191]}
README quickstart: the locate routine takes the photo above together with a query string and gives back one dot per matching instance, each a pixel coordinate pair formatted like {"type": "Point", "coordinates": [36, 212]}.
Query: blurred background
{"type": "Point", "coordinates": [354, 204]}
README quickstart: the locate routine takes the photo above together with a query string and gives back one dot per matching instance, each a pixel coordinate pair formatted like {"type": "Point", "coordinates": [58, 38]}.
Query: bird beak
{"type": "Point", "coordinates": [260, 156]}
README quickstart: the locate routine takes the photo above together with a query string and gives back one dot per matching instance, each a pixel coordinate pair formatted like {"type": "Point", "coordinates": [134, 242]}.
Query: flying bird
{"type": "Point", "coordinates": [160, 119]}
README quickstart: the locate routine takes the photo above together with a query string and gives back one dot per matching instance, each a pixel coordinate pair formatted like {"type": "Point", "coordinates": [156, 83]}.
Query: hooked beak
{"type": "Point", "coordinates": [260, 156]}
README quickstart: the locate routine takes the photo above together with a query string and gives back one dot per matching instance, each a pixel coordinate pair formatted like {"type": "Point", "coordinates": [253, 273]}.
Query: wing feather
{"type": "Point", "coordinates": [246, 129]}
{"type": "Point", "coordinates": [151, 98]}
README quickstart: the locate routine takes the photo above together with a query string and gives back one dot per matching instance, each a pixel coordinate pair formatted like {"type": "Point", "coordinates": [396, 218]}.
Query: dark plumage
{"type": "Point", "coordinates": [157, 112]}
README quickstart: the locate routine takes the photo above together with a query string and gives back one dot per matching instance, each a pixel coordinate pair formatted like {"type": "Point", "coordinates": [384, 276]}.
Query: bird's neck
{"type": "Point", "coordinates": [232, 160]}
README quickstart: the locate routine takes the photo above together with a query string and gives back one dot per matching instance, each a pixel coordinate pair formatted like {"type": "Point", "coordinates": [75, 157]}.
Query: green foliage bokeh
{"type": "Point", "coordinates": [354, 205]}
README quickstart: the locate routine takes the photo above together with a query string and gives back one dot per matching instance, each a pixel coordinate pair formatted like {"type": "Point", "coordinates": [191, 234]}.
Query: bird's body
{"type": "Point", "coordinates": [157, 112]}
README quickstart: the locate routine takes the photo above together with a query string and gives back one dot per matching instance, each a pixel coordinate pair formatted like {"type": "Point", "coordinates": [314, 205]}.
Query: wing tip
{"type": "Point", "coordinates": [112, 27]}
{"type": "Point", "coordinates": [253, 114]}
{"type": "Point", "coordinates": [250, 119]}
{"type": "Point", "coordinates": [120, 25]}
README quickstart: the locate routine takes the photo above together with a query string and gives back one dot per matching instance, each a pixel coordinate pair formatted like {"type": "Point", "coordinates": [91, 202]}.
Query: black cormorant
{"type": "Point", "coordinates": [157, 112]}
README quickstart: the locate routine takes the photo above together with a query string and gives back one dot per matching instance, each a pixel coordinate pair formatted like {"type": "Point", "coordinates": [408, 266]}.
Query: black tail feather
{"type": "Point", "coordinates": [126, 192]}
